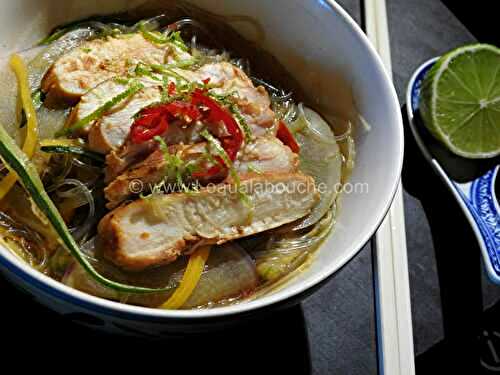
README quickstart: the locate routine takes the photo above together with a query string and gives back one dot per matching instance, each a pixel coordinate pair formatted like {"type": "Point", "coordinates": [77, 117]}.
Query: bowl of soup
{"type": "Point", "coordinates": [177, 165]}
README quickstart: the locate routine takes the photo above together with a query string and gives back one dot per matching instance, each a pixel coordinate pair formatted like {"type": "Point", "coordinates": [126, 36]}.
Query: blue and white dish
{"type": "Point", "coordinates": [476, 195]}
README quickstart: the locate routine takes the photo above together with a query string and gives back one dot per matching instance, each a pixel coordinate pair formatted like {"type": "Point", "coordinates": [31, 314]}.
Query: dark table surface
{"type": "Point", "coordinates": [333, 331]}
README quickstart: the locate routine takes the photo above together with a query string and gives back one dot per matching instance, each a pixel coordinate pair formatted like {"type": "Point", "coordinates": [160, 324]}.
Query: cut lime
{"type": "Point", "coordinates": [461, 101]}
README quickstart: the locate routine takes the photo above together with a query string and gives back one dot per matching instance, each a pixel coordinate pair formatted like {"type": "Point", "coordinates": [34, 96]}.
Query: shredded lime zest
{"type": "Point", "coordinates": [253, 168]}
{"type": "Point", "coordinates": [214, 142]}
{"type": "Point", "coordinates": [228, 100]}
{"type": "Point", "coordinates": [19, 67]}
{"type": "Point", "coordinates": [176, 39]}
{"type": "Point", "coordinates": [99, 112]}
{"type": "Point", "coordinates": [175, 165]}
{"type": "Point", "coordinates": [242, 122]}
{"type": "Point", "coordinates": [121, 80]}
{"type": "Point", "coordinates": [190, 279]}
{"type": "Point", "coordinates": [157, 37]}
{"type": "Point", "coordinates": [183, 64]}
{"type": "Point", "coordinates": [142, 70]}
{"type": "Point", "coordinates": [165, 70]}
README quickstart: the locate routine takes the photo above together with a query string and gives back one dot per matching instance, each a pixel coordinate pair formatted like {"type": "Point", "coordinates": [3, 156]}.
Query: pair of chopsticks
{"type": "Point", "coordinates": [390, 263]}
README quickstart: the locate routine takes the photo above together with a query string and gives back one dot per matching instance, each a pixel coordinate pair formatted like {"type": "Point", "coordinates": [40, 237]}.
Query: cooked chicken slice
{"type": "Point", "coordinates": [111, 131]}
{"type": "Point", "coordinates": [253, 102]}
{"type": "Point", "coordinates": [154, 231]}
{"type": "Point", "coordinates": [131, 153]}
{"type": "Point", "coordinates": [266, 154]}
{"type": "Point", "coordinates": [117, 121]}
{"type": "Point", "coordinates": [96, 61]}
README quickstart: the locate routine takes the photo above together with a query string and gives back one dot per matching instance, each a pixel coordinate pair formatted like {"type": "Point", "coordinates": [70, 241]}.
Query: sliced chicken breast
{"type": "Point", "coordinates": [121, 159]}
{"type": "Point", "coordinates": [265, 155]}
{"type": "Point", "coordinates": [111, 130]}
{"type": "Point", "coordinates": [96, 61]}
{"type": "Point", "coordinates": [253, 102]}
{"type": "Point", "coordinates": [154, 231]}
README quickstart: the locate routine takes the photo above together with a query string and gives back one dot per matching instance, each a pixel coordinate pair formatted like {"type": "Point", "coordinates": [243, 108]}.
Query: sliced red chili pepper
{"type": "Point", "coordinates": [178, 108]}
{"type": "Point", "coordinates": [217, 114]}
{"type": "Point", "coordinates": [146, 128]}
{"type": "Point", "coordinates": [206, 81]}
{"type": "Point", "coordinates": [285, 136]}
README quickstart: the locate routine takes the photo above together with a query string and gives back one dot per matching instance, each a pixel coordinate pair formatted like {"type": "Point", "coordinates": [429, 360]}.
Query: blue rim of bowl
{"type": "Point", "coordinates": [112, 308]}
{"type": "Point", "coordinates": [481, 206]}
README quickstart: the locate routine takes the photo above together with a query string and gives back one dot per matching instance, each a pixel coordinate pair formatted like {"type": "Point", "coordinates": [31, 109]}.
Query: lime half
{"type": "Point", "coordinates": [461, 101]}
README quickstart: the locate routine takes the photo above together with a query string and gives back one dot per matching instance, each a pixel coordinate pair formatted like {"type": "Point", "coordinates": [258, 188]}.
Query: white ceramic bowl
{"type": "Point", "coordinates": [316, 41]}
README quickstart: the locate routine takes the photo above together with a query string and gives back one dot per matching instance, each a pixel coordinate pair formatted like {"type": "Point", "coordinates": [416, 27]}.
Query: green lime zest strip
{"type": "Point", "coordinates": [99, 112]}
{"type": "Point", "coordinates": [242, 122]}
{"type": "Point", "coordinates": [17, 161]}
{"type": "Point", "coordinates": [174, 163]}
{"type": "Point", "coordinates": [225, 158]}
{"type": "Point", "coordinates": [164, 69]}
{"type": "Point", "coordinates": [159, 38]}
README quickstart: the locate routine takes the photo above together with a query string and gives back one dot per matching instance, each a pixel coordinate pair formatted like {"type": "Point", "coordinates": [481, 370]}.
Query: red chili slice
{"type": "Point", "coordinates": [285, 136]}
{"type": "Point", "coordinates": [146, 128]}
{"type": "Point", "coordinates": [183, 109]}
{"type": "Point", "coordinates": [153, 121]}
{"type": "Point", "coordinates": [232, 143]}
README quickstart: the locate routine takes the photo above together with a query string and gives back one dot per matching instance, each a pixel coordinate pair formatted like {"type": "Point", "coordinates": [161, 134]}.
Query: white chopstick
{"type": "Point", "coordinates": [392, 291]}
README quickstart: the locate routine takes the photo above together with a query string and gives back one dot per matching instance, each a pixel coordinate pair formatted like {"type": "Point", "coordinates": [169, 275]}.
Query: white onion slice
{"type": "Point", "coordinates": [320, 157]}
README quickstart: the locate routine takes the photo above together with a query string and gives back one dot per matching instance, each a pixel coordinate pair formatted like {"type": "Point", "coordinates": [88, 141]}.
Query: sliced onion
{"type": "Point", "coordinates": [28, 244]}
{"type": "Point", "coordinates": [316, 125]}
{"type": "Point", "coordinates": [320, 157]}
{"type": "Point", "coordinates": [283, 253]}
{"type": "Point", "coordinates": [230, 271]}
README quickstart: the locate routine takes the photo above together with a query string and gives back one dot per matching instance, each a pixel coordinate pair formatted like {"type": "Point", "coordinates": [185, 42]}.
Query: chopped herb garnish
{"type": "Point", "coordinates": [142, 70]}
{"type": "Point", "coordinates": [121, 80]}
{"type": "Point", "coordinates": [175, 38]}
{"type": "Point", "coordinates": [225, 158]}
{"type": "Point", "coordinates": [253, 168]}
{"type": "Point", "coordinates": [164, 69]}
{"type": "Point", "coordinates": [159, 38]}
{"type": "Point", "coordinates": [242, 122]}
{"type": "Point", "coordinates": [174, 167]}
